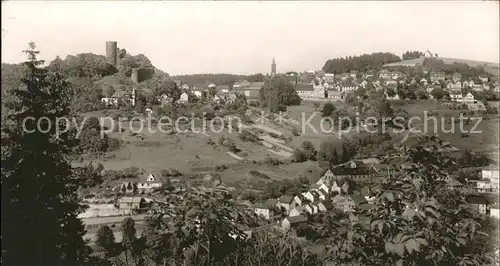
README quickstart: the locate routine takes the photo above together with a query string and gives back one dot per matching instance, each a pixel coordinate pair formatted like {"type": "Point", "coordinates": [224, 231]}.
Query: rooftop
{"type": "Point", "coordinates": [296, 219]}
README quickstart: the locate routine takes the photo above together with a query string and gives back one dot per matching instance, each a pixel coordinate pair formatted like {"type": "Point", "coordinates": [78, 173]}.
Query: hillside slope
{"type": "Point", "coordinates": [492, 68]}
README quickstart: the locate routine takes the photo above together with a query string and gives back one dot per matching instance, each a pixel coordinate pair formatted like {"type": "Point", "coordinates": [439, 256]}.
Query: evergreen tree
{"type": "Point", "coordinates": [129, 237]}
{"type": "Point", "coordinates": [39, 200]}
{"type": "Point", "coordinates": [106, 240]}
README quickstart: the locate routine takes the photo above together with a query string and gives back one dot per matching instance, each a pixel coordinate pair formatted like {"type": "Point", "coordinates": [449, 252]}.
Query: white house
{"type": "Point", "coordinates": [457, 85]}
{"type": "Point", "coordinates": [306, 91]}
{"type": "Point", "coordinates": [326, 178]}
{"type": "Point", "coordinates": [299, 210]}
{"type": "Point", "coordinates": [492, 174]}
{"type": "Point", "coordinates": [335, 95]}
{"type": "Point", "coordinates": [312, 196]}
{"type": "Point", "coordinates": [456, 97]}
{"type": "Point", "coordinates": [395, 97]}
{"type": "Point", "coordinates": [322, 194]}
{"type": "Point", "coordinates": [494, 212]}
{"type": "Point", "coordinates": [265, 211]}
{"type": "Point", "coordinates": [216, 99]}
{"type": "Point", "coordinates": [311, 208]}
{"type": "Point", "coordinates": [110, 101]}
{"type": "Point", "coordinates": [348, 88]}
{"type": "Point", "coordinates": [299, 200]}
{"type": "Point", "coordinates": [184, 97]}
{"type": "Point", "coordinates": [468, 98]}
{"type": "Point", "coordinates": [483, 78]}
{"type": "Point", "coordinates": [152, 181]}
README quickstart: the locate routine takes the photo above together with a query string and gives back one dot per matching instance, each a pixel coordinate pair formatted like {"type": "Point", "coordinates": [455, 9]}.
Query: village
{"type": "Point", "coordinates": [343, 187]}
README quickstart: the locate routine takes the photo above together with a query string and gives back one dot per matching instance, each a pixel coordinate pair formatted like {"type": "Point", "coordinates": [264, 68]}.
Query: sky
{"type": "Point", "coordinates": [243, 37]}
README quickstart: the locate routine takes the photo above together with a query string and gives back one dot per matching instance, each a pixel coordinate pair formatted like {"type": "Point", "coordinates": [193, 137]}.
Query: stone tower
{"type": "Point", "coordinates": [273, 68]}
{"type": "Point", "coordinates": [111, 53]}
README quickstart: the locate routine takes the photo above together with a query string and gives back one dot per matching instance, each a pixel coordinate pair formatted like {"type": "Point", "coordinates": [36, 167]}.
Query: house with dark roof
{"type": "Point", "coordinates": [264, 210]}
{"type": "Point", "coordinates": [324, 206]}
{"type": "Point", "coordinates": [482, 202]}
{"type": "Point", "coordinates": [290, 222]}
{"type": "Point", "coordinates": [353, 170]}
{"type": "Point", "coordinates": [271, 203]}
{"type": "Point", "coordinates": [299, 200]}
{"type": "Point", "coordinates": [312, 208]}
{"type": "Point", "coordinates": [305, 91]}
{"type": "Point", "coordinates": [285, 202]}
{"type": "Point", "coordinates": [312, 195]}
{"type": "Point", "coordinates": [349, 202]}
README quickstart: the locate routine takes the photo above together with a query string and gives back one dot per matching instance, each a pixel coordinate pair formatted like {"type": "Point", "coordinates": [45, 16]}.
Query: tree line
{"type": "Point", "coordinates": [362, 62]}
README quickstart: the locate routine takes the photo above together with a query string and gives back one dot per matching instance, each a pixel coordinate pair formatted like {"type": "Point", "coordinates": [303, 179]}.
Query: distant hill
{"type": "Point", "coordinates": [492, 68]}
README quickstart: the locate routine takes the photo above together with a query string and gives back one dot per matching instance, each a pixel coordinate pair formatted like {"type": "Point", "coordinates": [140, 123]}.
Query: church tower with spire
{"type": "Point", "coordinates": [273, 68]}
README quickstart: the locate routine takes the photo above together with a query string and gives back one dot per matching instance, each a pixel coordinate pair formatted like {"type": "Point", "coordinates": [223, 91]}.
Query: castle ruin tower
{"type": "Point", "coordinates": [273, 68]}
{"type": "Point", "coordinates": [111, 53]}
{"type": "Point", "coordinates": [135, 75]}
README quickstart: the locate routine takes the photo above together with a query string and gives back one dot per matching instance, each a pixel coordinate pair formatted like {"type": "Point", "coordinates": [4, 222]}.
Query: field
{"type": "Point", "coordinates": [487, 140]}
{"type": "Point", "coordinates": [191, 152]}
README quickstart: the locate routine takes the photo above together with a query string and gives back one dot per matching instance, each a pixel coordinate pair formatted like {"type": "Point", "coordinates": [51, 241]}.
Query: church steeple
{"type": "Point", "coordinates": [273, 68]}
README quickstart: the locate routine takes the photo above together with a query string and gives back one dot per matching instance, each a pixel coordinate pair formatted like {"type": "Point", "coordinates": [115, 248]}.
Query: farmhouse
{"type": "Point", "coordinates": [482, 203]}
{"type": "Point", "coordinates": [352, 201]}
{"type": "Point", "coordinates": [184, 97]}
{"type": "Point", "coordinates": [290, 222]}
{"type": "Point", "coordinates": [305, 91]}
{"type": "Point", "coordinates": [299, 210]}
{"type": "Point", "coordinates": [335, 95]}
{"type": "Point", "coordinates": [265, 211]}
{"type": "Point", "coordinates": [131, 203]}
{"type": "Point", "coordinates": [284, 202]}
{"type": "Point", "coordinates": [151, 181]}
{"type": "Point", "coordinates": [299, 200]}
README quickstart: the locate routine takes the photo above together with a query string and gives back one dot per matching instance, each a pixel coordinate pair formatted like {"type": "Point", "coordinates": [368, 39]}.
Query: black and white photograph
{"type": "Point", "coordinates": [250, 133]}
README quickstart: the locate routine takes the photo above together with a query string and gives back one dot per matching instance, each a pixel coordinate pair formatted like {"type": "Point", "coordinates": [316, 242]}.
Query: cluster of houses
{"type": "Point", "coordinates": [339, 188]}
{"type": "Point", "coordinates": [313, 85]}
{"type": "Point", "coordinates": [334, 190]}
{"type": "Point", "coordinates": [318, 85]}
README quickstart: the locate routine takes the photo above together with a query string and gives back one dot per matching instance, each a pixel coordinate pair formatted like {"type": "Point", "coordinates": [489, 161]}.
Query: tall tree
{"type": "Point", "coordinates": [39, 200]}
{"type": "Point", "coordinates": [106, 240]}
{"type": "Point", "coordinates": [129, 238]}
{"type": "Point", "coordinates": [279, 93]}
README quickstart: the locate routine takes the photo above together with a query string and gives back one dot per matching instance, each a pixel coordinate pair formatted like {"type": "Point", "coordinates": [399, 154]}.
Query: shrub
{"type": "Point", "coordinates": [295, 132]}
{"type": "Point", "coordinates": [274, 135]}
{"type": "Point", "coordinates": [113, 144]}
{"type": "Point", "coordinates": [245, 135]}
{"type": "Point", "coordinates": [258, 174]}
{"type": "Point", "coordinates": [299, 156]}
{"type": "Point", "coordinates": [210, 142]}
{"type": "Point", "coordinates": [220, 167]}
{"type": "Point", "coordinates": [272, 161]}
{"type": "Point", "coordinates": [171, 172]}
{"type": "Point", "coordinates": [221, 140]}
